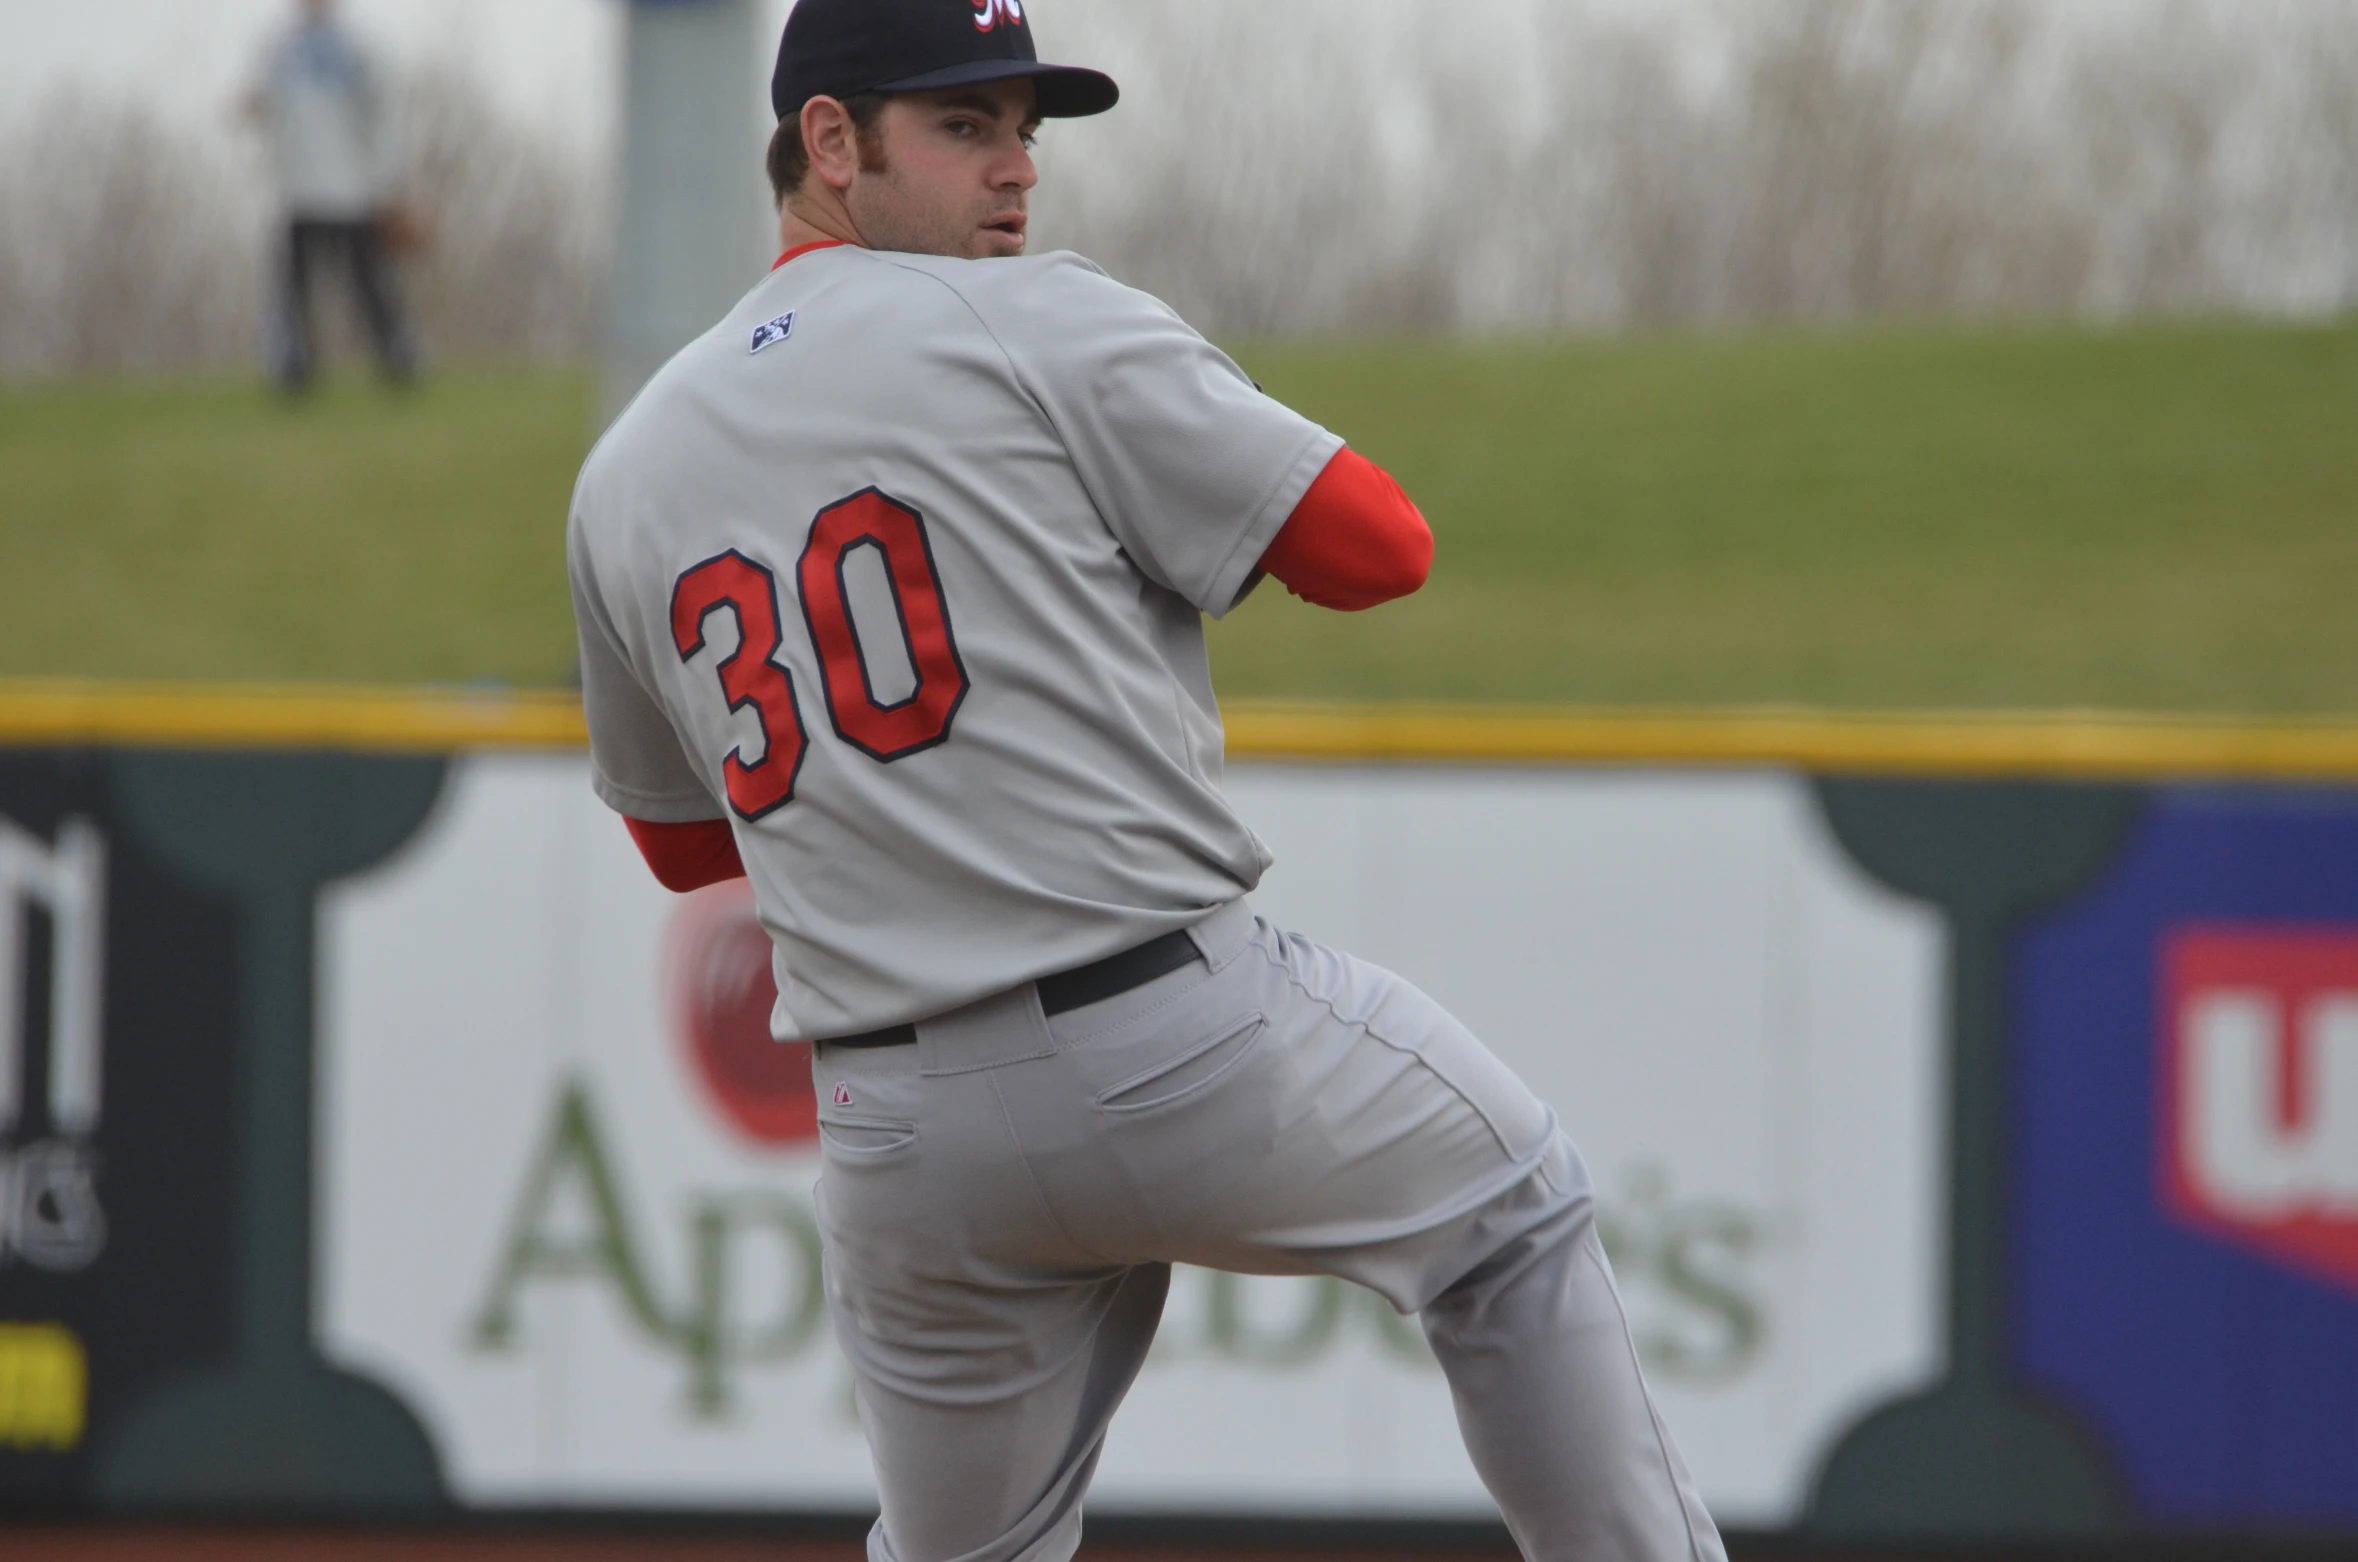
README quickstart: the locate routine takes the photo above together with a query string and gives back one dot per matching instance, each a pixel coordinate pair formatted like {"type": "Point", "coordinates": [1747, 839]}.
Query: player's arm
{"type": "Point", "coordinates": [1355, 540]}
{"type": "Point", "coordinates": [687, 857]}
{"type": "Point", "coordinates": [638, 765]}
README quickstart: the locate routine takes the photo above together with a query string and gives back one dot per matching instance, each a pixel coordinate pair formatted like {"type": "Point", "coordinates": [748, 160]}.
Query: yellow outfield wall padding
{"type": "Point", "coordinates": [2087, 745]}
{"type": "Point", "coordinates": [261, 716]}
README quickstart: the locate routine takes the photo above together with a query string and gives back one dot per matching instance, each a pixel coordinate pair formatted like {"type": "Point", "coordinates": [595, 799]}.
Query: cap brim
{"type": "Point", "coordinates": [1066, 91]}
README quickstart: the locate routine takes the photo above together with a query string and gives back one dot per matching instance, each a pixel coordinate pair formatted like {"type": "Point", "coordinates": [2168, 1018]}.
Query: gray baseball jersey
{"type": "Point", "coordinates": [902, 568]}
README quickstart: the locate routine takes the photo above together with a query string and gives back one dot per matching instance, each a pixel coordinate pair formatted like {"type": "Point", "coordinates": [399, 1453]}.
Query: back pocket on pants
{"type": "Point", "coordinates": [864, 1136]}
{"type": "Point", "coordinates": [1190, 1074]}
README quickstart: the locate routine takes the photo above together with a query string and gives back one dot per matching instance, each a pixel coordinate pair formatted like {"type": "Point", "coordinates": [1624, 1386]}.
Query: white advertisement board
{"type": "Point", "coordinates": [566, 1178]}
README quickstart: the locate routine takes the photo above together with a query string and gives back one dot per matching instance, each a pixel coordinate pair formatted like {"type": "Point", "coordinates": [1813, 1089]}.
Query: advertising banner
{"type": "Point", "coordinates": [156, 963]}
{"type": "Point", "coordinates": [116, 1112]}
{"type": "Point", "coordinates": [564, 1175]}
{"type": "Point", "coordinates": [2186, 1132]}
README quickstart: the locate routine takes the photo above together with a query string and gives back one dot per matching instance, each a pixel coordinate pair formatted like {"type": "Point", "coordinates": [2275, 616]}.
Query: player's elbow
{"type": "Point", "coordinates": [1354, 542]}
{"type": "Point", "coordinates": [1387, 567]}
{"type": "Point", "coordinates": [1402, 566]}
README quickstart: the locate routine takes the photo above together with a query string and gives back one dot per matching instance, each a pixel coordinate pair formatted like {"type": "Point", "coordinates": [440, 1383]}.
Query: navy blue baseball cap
{"type": "Point", "coordinates": [836, 48]}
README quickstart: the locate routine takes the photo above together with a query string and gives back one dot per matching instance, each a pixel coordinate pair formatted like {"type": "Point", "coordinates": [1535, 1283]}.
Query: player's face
{"type": "Point", "coordinates": [956, 173]}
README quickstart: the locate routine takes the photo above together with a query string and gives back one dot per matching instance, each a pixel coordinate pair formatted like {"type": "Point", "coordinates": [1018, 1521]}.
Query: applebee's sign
{"type": "Point", "coordinates": [1689, 1265]}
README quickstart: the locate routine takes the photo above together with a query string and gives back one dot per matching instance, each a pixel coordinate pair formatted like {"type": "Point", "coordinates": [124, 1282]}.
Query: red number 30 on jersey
{"type": "Point", "coordinates": [750, 677]}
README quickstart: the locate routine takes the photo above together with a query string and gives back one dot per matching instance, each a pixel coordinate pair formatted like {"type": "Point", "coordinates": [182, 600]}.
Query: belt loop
{"type": "Point", "coordinates": [1223, 935]}
{"type": "Point", "coordinates": [1008, 1027]}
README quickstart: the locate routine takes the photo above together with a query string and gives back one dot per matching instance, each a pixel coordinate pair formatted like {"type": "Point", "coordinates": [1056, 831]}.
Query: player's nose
{"type": "Point", "coordinates": [1017, 171]}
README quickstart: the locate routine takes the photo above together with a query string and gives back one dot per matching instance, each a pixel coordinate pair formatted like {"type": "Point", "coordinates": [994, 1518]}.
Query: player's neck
{"type": "Point", "coordinates": [801, 223]}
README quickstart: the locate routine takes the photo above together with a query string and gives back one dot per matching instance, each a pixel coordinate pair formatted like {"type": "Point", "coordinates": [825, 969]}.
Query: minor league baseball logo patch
{"type": "Point", "coordinates": [772, 332]}
{"type": "Point", "coordinates": [988, 14]}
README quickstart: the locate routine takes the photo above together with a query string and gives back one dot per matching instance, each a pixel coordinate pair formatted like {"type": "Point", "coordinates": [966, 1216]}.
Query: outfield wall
{"type": "Point", "coordinates": [1974, 1106]}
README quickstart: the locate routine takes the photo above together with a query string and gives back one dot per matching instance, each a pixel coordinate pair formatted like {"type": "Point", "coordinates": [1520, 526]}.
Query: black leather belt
{"type": "Point", "coordinates": [1069, 990]}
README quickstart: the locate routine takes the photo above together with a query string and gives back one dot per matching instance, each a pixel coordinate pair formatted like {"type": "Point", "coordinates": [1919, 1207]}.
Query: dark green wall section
{"type": "Point", "coordinates": [1975, 1459]}
{"type": "Point", "coordinates": [144, 1295]}
{"type": "Point", "coordinates": [271, 1426]}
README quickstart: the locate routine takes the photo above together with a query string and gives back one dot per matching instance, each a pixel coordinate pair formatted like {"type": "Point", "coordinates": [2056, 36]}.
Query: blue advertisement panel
{"type": "Point", "coordinates": [2186, 1159]}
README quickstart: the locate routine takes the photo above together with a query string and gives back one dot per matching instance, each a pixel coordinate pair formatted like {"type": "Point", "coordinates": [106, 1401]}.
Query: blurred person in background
{"type": "Point", "coordinates": [323, 103]}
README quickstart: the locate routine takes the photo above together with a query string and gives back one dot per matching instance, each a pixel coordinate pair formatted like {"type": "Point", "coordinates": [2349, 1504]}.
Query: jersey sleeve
{"type": "Point", "coordinates": [1193, 468]}
{"type": "Point", "coordinates": [637, 765]}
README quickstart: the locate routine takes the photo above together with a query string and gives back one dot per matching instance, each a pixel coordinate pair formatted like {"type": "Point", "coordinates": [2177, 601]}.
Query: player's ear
{"type": "Point", "coordinates": [832, 139]}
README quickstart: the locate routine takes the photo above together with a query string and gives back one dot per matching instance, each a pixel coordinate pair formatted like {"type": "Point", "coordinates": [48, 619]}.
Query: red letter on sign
{"type": "Point", "coordinates": [747, 675]}
{"type": "Point", "coordinates": [883, 732]}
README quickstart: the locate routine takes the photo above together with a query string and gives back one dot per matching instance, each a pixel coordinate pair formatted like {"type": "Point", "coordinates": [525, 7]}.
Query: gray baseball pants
{"type": "Point", "coordinates": [1001, 1204]}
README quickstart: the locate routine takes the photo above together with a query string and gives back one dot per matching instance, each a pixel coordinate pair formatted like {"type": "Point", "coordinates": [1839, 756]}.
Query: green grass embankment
{"type": "Point", "coordinates": [2164, 519]}
{"type": "Point", "coordinates": [2158, 519]}
{"type": "Point", "coordinates": [211, 532]}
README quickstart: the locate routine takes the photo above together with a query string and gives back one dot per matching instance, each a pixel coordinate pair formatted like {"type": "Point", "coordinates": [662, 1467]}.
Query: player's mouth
{"type": "Point", "coordinates": [1012, 225]}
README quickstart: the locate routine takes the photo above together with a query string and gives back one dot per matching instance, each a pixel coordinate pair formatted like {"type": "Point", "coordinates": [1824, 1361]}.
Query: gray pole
{"type": "Point", "coordinates": [694, 230]}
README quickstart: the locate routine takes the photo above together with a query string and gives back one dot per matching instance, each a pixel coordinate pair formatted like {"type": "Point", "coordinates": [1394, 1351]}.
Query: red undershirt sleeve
{"type": "Point", "coordinates": [688, 856]}
{"type": "Point", "coordinates": [1354, 542]}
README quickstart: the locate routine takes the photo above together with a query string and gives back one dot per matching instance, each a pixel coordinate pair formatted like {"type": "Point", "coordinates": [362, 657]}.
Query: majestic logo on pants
{"type": "Point", "coordinates": [988, 14]}
{"type": "Point", "coordinates": [2260, 1090]}
{"type": "Point", "coordinates": [49, 1211]}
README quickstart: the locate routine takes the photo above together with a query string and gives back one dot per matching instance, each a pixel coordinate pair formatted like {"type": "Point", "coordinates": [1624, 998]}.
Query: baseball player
{"type": "Point", "coordinates": [891, 593]}
{"type": "Point", "coordinates": [322, 98]}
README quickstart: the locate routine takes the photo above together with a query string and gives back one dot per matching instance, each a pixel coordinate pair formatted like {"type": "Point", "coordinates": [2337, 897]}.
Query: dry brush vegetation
{"type": "Point", "coordinates": [1501, 165]}
{"type": "Point", "coordinates": [127, 247]}
{"type": "Point", "coordinates": [1380, 166]}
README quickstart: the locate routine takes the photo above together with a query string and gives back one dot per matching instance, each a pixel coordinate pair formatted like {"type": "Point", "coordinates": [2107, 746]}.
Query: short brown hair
{"type": "Point", "coordinates": [789, 161]}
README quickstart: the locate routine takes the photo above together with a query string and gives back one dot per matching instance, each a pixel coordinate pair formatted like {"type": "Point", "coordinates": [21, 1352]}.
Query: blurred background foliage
{"type": "Point", "coordinates": [128, 246]}
{"type": "Point", "coordinates": [1891, 352]}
